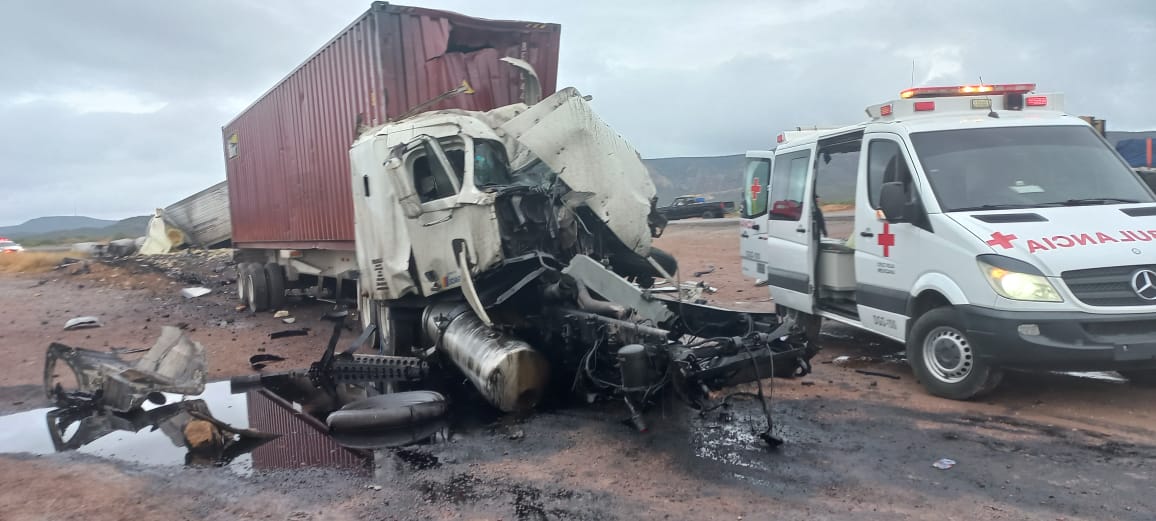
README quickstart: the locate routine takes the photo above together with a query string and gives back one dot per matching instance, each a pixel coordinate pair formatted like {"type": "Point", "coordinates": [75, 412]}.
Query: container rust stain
{"type": "Point", "coordinates": [286, 155]}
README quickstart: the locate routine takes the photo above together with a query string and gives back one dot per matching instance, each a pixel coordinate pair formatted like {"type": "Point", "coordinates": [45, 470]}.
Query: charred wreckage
{"type": "Point", "coordinates": [513, 247]}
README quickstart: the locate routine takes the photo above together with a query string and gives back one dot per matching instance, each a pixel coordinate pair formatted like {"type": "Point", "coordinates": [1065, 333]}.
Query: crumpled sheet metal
{"type": "Point", "coordinates": [175, 364]}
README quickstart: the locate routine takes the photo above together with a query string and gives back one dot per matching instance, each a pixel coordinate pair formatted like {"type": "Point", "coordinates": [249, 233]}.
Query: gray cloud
{"type": "Point", "coordinates": [112, 108]}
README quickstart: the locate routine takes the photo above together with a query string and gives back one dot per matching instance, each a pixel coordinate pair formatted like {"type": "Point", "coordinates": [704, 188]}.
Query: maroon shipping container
{"type": "Point", "coordinates": [286, 155]}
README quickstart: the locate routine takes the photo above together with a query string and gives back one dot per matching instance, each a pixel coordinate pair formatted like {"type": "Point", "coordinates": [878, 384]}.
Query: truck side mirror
{"type": "Point", "coordinates": [893, 201]}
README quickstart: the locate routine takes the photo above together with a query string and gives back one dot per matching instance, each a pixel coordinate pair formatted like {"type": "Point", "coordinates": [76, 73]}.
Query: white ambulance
{"type": "Point", "coordinates": [980, 225]}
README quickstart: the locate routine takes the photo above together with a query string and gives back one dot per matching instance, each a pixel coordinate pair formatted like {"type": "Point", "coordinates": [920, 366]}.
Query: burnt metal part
{"type": "Point", "coordinates": [288, 333]}
{"type": "Point", "coordinates": [175, 364]}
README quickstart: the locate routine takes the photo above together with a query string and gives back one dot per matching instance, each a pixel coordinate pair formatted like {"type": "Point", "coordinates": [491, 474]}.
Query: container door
{"type": "Point", "coordinates": [886, 254]}
{"type": "Point", "coordinates": [790, 233]}
{"type": "Point", "coordinates": [753, 214]}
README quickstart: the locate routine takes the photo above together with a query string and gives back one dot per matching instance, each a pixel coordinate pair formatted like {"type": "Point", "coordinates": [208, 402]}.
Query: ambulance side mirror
{"type": "Point", "coordinates": [894, 203]}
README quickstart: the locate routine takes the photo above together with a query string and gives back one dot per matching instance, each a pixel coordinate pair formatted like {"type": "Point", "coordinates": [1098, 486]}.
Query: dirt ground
{"type": "Point", "coordinates": [1043, 446]}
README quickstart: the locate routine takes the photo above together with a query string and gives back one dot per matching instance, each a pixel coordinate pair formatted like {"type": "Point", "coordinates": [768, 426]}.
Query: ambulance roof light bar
{"type": "Point", "coordinates": [967, 90]}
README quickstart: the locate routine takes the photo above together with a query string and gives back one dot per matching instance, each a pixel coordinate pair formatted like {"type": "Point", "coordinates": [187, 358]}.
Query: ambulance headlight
{"type": "Point", "coordinates": [1012, 281]}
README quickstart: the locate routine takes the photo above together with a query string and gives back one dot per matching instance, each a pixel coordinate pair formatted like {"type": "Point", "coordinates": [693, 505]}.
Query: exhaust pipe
{"type": "Point", "coordinates": [508, 372]}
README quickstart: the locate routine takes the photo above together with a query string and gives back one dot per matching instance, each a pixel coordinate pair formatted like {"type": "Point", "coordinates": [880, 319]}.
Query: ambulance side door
{"type": "Point", "coordinates": [790, 234]}
{"type": "Point", "coordinates": [887, 255]}
{"type": "Point", "coordinates": [753, 217]}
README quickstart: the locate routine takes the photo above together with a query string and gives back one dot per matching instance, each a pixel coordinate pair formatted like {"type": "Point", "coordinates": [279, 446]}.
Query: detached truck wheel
{"type": "Point", "coordinates": [256, 288]}
{"type": "Point", "coordinates": [944, 359]}
{"type": "Point", "coordinates": [275, 276]}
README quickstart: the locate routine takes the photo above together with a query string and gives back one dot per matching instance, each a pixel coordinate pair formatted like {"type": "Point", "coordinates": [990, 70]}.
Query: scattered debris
{"type": "Point", "coordinates": [289, 320]}
{"type": "Point", "coordinates": [174, 364]}
{"type": "Point", "coordinates": [374, 488]}
{"type": "Point", "coordinates": [710, 269]}
{"type": "Point", "coordinates": [281, 314]}
{"type": "Point", "coordinates": [875, 373]}
{"type": "Point", "coordinates": [840, 360]}
{"type": "Point", "coordinates": [944, 464]}
{"type": "Point", "coordinates": [761, 283]}
{"type": "Point", "coordinates": [241, 307]}
{"type": "Point", "coordinates": [82, 323]}
{"type": "Point", "coordinates": [289, 333]}
{"type": "Point", "coordinates": [258, 362]}
{"type": "Point", "coordinates": [195, 292]}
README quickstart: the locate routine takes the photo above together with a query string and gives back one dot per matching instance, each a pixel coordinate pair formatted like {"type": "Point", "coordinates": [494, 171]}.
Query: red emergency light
{"type": "Point", "coordinates": [885, 110]}
{"type": "Point", "coordinates": [966, 90]}
{"type": "Point", "coordinates": [922, 106]}
{"type": "Point", "coordinates": [780, 138]}
{"type": "Point", "coordinates": [1036, 101]}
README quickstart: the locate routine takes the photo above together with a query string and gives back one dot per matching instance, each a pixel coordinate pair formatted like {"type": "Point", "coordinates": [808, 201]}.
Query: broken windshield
{"type": "Point", "coordinates": [491, 169]}
{"type": "Point", "coordinates": [1024, 167]}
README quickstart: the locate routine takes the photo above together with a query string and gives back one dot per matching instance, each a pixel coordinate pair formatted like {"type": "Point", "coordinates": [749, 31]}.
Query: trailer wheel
{"type": "Point", "coordinates": [256, 288]}
{"type": "Point", "coordinates": [944, 359]}
{"type": "Point", "coordinates": [275, 276]}
{"type": "Point", "coordinates": [241, 295]}
{"type": "Point", "coordinates": [394, 336]}
{"type": "Point", "coordinates": [1142, 378]}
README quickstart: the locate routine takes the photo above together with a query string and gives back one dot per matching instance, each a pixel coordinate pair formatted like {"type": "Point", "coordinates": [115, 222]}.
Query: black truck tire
{"type": "Point", "coordinates": [710, 214]}
{"type": "Point", "coordinates": [275, 276]}
{"type": "Point", "coordinates": [945, 360]}
{"type": "Point", "coordinates": [256, 288]}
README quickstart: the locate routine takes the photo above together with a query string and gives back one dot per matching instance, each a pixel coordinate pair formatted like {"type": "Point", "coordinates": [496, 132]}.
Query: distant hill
{"type": "Point", "coordinates": [720, 177]}
{"type": "Point", "coordinates": [122, 229]}
{"type": "Point", "coordinates": [53, 224]}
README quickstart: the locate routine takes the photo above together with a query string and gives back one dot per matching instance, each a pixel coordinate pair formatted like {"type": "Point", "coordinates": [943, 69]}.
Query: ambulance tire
{"type": "Point", "coordinates": [944, 359]}
{"type": "Point", "coordinates": [1141, 378]}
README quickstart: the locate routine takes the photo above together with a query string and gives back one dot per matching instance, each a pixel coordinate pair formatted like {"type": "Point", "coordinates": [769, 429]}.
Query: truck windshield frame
{"type": "Point", "coordinates": [994, 168]}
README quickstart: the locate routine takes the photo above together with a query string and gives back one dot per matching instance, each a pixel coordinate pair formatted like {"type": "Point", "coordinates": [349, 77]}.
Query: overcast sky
{"type": "Point", "coordinates": [111, 108]}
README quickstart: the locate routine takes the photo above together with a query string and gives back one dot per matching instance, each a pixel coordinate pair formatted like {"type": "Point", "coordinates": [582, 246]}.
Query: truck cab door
{"type": "Point", "coordinates": [438, 172]}
{"type": "Point", "coordinates": [886, 254]}
{"type": "Point", "coordinates": [753, 217]}
{"type": "Point", "coordinates": [790, 239]}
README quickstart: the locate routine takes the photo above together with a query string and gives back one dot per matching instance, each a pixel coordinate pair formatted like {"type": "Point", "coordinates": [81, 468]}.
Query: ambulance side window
{"type": "Point", "coordinates": [788, 186]}
{"type": "Point", "coordinates": [885, 164]}
{"type": "Point", "coordinates": [757, 180]}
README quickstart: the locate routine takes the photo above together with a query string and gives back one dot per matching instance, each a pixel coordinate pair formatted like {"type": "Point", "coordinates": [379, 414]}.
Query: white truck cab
{"type": "Point", "coordinates": [979, 224]}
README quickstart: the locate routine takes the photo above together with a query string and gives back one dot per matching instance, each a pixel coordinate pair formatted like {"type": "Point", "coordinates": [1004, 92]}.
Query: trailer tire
{"type": "Point", "coordinates": [1141, 378]}
{"type": "Point", "coordinates": [241, 295]}
{"type": "Point", "coordinates": [945, 360]}
{"type": "Point", "coordinates": [256, 288]}
{"type": "Point", "coordinates": [275, 276]}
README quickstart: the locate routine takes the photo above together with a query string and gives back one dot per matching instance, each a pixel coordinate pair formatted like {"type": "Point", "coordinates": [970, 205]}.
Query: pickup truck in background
{"type": "Point", "coordinates": [693, 206]}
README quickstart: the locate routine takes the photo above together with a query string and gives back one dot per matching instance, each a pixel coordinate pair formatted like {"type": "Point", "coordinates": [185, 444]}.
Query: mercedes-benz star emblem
{"type": "Point", "coordinates": [1144, 284]}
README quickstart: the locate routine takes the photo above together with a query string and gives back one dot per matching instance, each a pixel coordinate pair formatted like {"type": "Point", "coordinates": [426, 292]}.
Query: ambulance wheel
{"type": "Point", "coordinates": [256, 287]}
{"type": "Point", "coordinates": [945, 360]}
{"type": "Point", "coordinates": [1141, 378]}
{"type": "Point", "coordinates": [275, 276]}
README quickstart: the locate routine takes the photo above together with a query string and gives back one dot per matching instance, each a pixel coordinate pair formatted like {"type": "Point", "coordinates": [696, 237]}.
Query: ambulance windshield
{"type": "Point", "coordinates": [1024, 167]}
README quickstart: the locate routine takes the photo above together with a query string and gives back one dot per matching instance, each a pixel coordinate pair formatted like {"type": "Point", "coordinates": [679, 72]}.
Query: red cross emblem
{"type": "Point", "coordinates": [999, 239]}
{"type": "Point", "coordinates": [755, 188]}
{"type": "Point", "coordinates": [886, 239]}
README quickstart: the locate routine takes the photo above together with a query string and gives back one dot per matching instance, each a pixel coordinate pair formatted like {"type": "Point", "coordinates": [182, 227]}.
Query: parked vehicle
{"type": "Point", "coordinates": [9, 246]}
{"type": "Point", "coordinates": [286, 155]}
{"type": "Point", "coordinates": [689, 206]}
{"type": "Point", "coordinates": [991, 231]}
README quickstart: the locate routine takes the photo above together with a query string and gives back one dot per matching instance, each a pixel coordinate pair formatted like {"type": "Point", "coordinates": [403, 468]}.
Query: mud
{"type": "Point", "coordinates": [1043, 446]}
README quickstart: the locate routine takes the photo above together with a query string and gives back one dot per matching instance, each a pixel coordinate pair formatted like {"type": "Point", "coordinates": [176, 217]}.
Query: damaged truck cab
{"type": "Point", "coordinates": [517, 243]}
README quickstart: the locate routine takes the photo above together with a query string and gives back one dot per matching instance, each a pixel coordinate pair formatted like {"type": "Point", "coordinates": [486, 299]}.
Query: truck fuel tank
{"type": "Point", "coordinates": [508, 372]}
